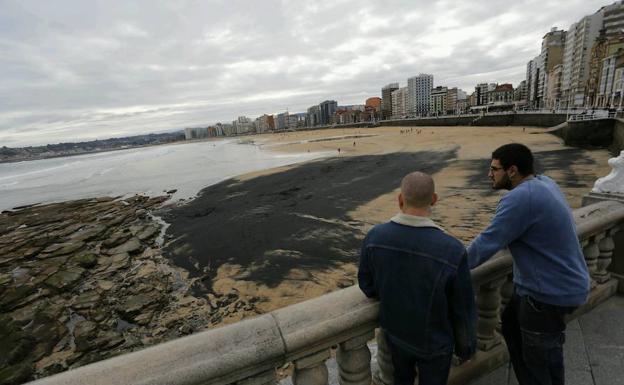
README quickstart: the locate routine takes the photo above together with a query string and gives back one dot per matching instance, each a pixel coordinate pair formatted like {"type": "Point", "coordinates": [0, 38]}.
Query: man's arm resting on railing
{"type": "Point", "coordinates": [509, 222]}
{"type": "Point", "coordinates": [463, 311]}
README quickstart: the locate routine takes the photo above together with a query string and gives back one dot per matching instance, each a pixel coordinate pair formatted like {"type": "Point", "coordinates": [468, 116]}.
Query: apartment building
{"type": "Point", "coordinates": [613, 21]}
{"type": "Point", "coordinates": [327, 110]}
{"type": "Point", "coordinates": [437, 101]}
{"type": "Point", "coordinates": [281, 121]}
{"type": "Point", "coordinates": [399, 103]}
{"type": "Point", "coordinates": [313, 117]}
{"type": "Point", "coordinates": [452, 97]}
{"type": "Point", "coordinates": [481, 93]}
{"type": "Point", "coordinates": [264, 123]}
{"type": "Point", "coordinates": [576, 58]}
{"type": "Point", "coordinates": [419, 94]}
{"type": "Point", "coordinates": [386, 99]}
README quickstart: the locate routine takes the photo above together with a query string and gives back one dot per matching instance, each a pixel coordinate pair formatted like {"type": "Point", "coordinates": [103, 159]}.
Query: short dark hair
{"type": "Point", "coordinates": [515, 154]}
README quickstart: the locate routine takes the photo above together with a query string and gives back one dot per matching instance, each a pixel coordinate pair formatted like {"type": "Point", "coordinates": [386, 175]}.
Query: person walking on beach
{"type": "Point", "coordinates": [549, 273]}
{"type": "Point", "coordinates": [420, 276]}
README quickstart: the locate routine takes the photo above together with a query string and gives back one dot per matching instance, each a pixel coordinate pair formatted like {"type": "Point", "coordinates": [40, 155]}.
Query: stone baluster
{"type": "Point", "coordinates": [591, 253]}
{"type": "Point", "coordinates": [354, 358]}
{"type": "Point", "coordinates": [488, 302]}
{"type": "Point", "coordinates": [385, 374]}
{"type": "Point", "coordinates": [606, 247]}
{"type": "Point", "coordinates": [506, 292]}
{"type": "Point", "coordinates": [264, 378]}
{"type": "Point", "coordinates": [311, 370]}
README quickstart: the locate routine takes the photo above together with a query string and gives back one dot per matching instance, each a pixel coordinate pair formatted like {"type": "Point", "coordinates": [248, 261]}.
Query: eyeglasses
{"type": "Point", "coordinates": [494, 168]}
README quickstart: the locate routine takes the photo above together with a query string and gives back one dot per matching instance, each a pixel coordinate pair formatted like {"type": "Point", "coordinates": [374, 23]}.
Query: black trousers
{"type": "Point", "coordinates": [535, 333]}
{"type": "Point", "coordinates": [431, 371]}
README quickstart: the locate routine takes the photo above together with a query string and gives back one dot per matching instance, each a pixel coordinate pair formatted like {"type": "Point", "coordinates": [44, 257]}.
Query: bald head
{"type": "Point", "coordinates": [417, 189]}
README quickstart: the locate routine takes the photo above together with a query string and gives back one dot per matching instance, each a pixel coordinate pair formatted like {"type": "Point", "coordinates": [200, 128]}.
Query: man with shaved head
{"type": "Point", "coordinates": [421, 277]}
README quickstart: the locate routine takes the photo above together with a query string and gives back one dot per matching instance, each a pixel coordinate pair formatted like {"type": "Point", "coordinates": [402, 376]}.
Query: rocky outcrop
{"type": "Point", "coordinates": [83, 280]}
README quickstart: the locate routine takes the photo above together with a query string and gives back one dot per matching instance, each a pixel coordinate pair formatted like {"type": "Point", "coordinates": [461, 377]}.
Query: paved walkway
{"type": "Point", "coordinates": [594, 349]}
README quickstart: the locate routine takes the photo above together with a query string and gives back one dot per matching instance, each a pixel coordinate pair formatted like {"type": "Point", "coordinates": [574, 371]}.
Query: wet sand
{"type": "Point", "coordinates": [292, 233]}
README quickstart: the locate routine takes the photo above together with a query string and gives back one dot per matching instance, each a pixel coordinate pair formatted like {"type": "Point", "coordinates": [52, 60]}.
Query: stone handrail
{"type": "Point", "coordinates": [304, 334]}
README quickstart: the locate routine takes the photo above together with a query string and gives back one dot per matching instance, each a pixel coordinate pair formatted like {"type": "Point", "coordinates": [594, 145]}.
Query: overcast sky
{"type": "Point", "coordinates": [73, 70]}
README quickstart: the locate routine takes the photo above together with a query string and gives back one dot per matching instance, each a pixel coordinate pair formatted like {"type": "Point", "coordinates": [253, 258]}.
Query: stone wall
{"type": "Point", "coordinates": [539, 120]}
{"type": "Point", "coordinates": [450, 121]}
{"type": "Point", "coordinates": [617, 144]}
{"type": "Point", "coordinates": [534, 120]}
{"type": "Point", "coordinates": [590, 133]}
{"type": "Point", "coordinates": [495, 120]}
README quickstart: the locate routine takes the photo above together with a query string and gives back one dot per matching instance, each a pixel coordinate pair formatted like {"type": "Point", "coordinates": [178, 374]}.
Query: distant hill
{"type": "Point", "coordinates": [15, 154]}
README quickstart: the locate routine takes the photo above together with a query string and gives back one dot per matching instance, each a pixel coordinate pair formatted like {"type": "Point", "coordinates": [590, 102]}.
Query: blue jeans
{"type": "Point", "coordinates": [535, 332]}
{"type": "Point", "coordinates": [431, 370]}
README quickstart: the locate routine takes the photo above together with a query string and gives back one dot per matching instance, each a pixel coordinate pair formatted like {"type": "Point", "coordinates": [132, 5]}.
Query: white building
{"type": "Point", "coordinates": [242, 125]}
{"type": "Point", "coordinates": [613, 19]}
{"type": "Point", "coordinates": [399, 103]}
{"type": "Point", "coordinates": [419, 94]}
{"type": "Point", "coordinates": [482, 90]}
{"type": "Point", "coordinates": [541, 66]}
{"type": "Point", "coordinates": [576, 57]}
{"type": "Point", "coordinates": [281, 121]}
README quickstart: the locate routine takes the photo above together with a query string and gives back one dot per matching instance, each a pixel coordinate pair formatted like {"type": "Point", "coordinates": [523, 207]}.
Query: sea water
{"type": "Point", "coordinates": [185, 167]}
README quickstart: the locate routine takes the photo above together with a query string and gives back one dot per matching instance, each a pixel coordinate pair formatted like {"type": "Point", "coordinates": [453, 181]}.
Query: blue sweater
{"type": "Point", "coordinates": [536, 223]}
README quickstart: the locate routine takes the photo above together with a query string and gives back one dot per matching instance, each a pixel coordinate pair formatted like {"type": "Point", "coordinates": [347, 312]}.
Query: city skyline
{"type": "Point", "coordinates": [76, 71]}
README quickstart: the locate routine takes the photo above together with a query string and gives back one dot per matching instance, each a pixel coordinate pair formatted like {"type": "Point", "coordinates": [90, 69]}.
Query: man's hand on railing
{"type": "Point", "coordinates": [457, 360]}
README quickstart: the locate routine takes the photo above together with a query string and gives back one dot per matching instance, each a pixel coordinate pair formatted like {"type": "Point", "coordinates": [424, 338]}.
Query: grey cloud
{"type": "Point", "coordinates": [75, 69]}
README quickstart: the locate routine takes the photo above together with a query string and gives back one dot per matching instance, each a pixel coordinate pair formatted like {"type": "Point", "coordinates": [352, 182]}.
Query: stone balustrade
{"type": "Point", "coordinates": [340, 323]}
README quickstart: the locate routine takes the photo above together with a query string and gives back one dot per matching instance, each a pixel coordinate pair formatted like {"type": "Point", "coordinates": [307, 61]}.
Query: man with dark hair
{"type": "Point", "coordinates": [420, 276]}
{"type": "Point", "coordinates": [549, 272]}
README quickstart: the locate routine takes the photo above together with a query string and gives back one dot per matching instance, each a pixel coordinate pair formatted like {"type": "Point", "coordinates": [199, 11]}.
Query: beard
{"type": "Point", "coordinates": [504, 184]}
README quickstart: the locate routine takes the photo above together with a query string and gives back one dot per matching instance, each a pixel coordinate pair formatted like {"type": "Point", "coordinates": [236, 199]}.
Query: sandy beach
{"type": "Point", "coordinates": [291, 233]}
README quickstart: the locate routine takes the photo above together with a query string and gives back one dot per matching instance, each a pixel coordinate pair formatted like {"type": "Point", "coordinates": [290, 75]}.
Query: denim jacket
{"type": "Point", "coordinates": [421, 277]}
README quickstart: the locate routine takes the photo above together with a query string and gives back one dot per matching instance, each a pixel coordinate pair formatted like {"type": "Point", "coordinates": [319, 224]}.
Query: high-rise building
{"type": "Point", "coordinates": [452, 97]}
{"type": "Point", "coordinates": [538, 69]}
{"type": "Point", "coordinates": [242, 125]}
{"type": "Point", "coordinates": [576, 58]}
{"type": "Point", "coordinates": [313, 117]}
{"type": "Point", "coordinates": [613, 22]}
{"type": "Point", "coordinates": [328, 108]}
{"type": "Point", "coordinates": [386, 99]}
{"type": "Point", "coordinates": [520, 93]}
{"type": "Point", "coordinates": [419, 94]}
{"type": "Point", "coordinates": [292, 122]}
{"type": "Point", "coordinates": [399, 103]}
{"type": "Point", "coordinates": [281, 122]}
{"type": "Point", "coordinates": [265, 123]}
{"type": "Point", "coordinates": [553, 88]}
{"type": "Point", "coordinates": [481, 93]}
